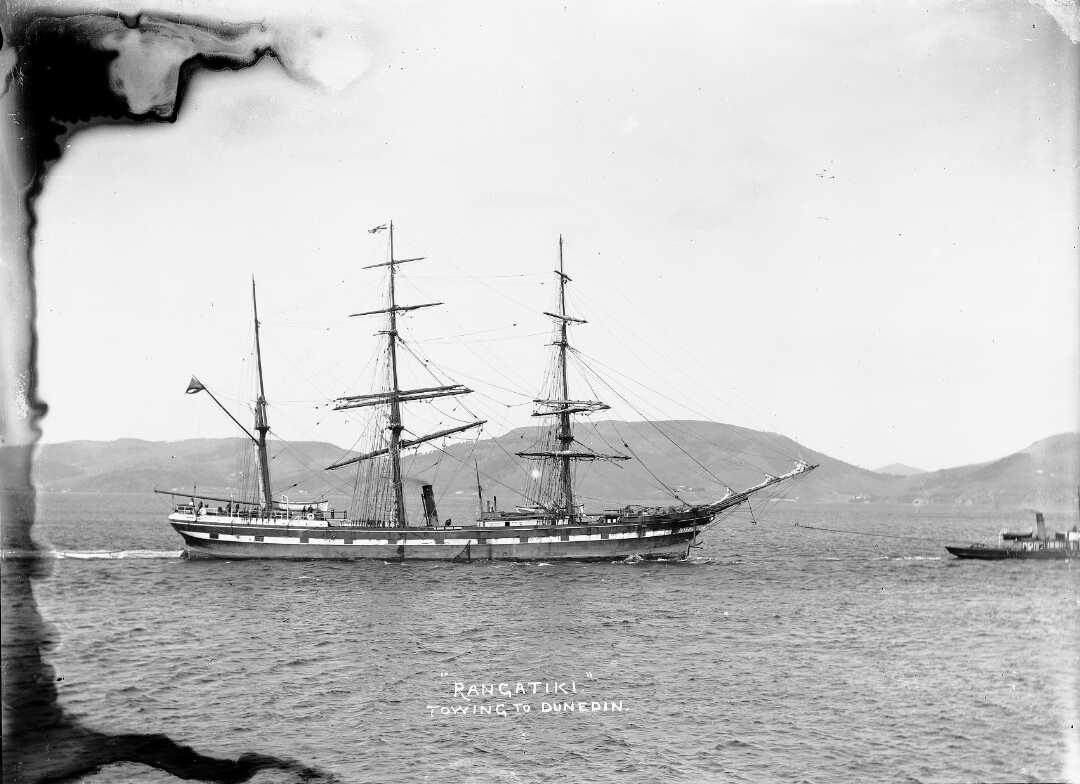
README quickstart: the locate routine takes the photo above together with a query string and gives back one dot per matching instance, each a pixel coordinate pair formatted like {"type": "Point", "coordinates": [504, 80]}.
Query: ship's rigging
{"type": "Point", "coordinates": [384, 457]}
{"type": "Point", "coordinates": [551, 524]}
{"type": "Point", "coordinates": [553, 484]}
{"type": "Point", "coordinates": [264, 493]}
{"type": "Point", "coordinates": [550, 486]}
{"type": "Point", "coordinates": [378, 487]}
{"type": "Point", "coordinates": [262, 423]}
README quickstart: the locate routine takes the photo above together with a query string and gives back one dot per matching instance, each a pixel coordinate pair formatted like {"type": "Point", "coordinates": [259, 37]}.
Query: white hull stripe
{"type": "Point", "coordinates": [362, 542]}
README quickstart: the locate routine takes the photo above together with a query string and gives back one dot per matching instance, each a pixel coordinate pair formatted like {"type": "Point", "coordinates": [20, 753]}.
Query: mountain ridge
{"type": "Point", "coordinates": [694, 459]}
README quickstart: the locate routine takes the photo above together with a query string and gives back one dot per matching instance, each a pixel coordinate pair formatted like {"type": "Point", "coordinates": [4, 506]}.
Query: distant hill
{"type": "Point", "coordinates": [1044, 475]}
{"type": "Point", "coordinates": [739, 456]}
{"type": "Point", "coordinates": [689, 456]}
{"type": "Point", "coordinates": [130, 465]}
{"type": "Point", "coordinates": [675, 452]}
{"type": "Point", "coordinates": [899, 469]}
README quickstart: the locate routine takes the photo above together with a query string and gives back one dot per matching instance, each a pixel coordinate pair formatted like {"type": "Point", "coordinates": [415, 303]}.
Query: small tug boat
{"type": "Point", "coordinates": [1037, 545]}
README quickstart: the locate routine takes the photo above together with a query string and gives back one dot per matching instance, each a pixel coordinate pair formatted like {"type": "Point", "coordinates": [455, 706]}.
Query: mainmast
{"type": "Point", "coordinates": [396, 427]}
{"type": "Point", "coordinates": [394, 396]}
{"type": "Point", "coordinates": [262, 424]}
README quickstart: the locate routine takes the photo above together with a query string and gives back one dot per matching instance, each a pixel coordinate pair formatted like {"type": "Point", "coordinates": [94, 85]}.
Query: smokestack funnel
{"type": "Point", "coordinates": [431, 514]}
{"type": "Point", "coordinates": [1040, 526]}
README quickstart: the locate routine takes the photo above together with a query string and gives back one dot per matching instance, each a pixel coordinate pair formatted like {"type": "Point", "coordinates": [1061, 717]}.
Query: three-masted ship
{"type": "Point", "coordinates": [552, 525]}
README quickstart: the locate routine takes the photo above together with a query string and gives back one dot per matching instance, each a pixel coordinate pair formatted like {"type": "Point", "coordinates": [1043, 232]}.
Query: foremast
{"type": "Point", "coordinates": [563, 407]}
{"type": "Point", "coordinates": [566, 431]}
{"type": "Point", "coordinates": [394, 395]}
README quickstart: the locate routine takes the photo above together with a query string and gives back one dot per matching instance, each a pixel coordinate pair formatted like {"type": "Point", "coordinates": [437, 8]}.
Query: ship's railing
{"type": "Point", "coordinates": [1047, 544]}
{"type": "Point", "coordinates": [253, 513]}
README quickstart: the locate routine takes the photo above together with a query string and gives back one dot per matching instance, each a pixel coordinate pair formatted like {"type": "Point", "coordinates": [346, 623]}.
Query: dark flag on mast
{"type": "Point", "coordinates": [377, 229]}
{"type": "Point", "coordinates": [195, 386]}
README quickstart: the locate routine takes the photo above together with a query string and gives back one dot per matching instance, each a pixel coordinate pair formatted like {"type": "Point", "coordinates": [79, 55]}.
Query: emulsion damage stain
{"type": "Point", "coordinates": [62, 74]}
{"type": "Point", "coordinates": [86, 70]}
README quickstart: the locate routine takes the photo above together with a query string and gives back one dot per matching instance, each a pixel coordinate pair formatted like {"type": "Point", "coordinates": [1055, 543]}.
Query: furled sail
{"type": "Point", "coordinates": [552, 482]}
{"type": "Point", "coordinates": [378, 496]}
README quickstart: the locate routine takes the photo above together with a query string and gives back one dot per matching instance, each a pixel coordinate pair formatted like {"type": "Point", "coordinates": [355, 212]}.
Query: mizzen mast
{"type": "Point", "coordinates": [262, 423]}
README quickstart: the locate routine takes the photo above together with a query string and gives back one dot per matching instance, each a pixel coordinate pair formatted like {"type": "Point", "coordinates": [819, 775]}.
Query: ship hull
{"type": "Point", "coordinates": [604, 542]}
{"type": "Point", "coordinates": [1007, 553]}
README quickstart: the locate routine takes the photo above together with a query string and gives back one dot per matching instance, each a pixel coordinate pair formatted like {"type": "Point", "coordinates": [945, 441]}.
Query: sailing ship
{"type": "Point", "coordinates": [551, 525]}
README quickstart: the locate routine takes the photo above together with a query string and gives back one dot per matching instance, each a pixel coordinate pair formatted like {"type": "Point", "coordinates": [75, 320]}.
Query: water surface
{"type": "Point", "coordinates": [776, 653]}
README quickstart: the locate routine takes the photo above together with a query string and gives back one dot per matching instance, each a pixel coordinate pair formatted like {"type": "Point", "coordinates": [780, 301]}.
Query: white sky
{"type": "Point", "coordinates": [851, 224]}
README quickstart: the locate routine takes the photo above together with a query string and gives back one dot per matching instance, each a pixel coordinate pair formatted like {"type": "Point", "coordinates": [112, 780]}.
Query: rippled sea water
{"type": "Point", "coordinates": [775, 654]}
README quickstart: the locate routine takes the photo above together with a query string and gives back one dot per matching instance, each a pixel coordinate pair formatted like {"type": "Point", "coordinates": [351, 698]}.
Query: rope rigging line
{"type": "Point", "coordinates": [596, 427]}
{"type": "Point", "coordinates": [651, 423]}
{"type": "Point", "coordinates": [280, 324]}
{"type": "Point", "coordinates": [453, 342]}
{"type": "Point", "coordinates": [428, 363]}
{"type": "Point", "coordinates": [470, 334]}
{"type": "Point", "coordinates": [469, 377]}
{"type": "Point", "coordinates": [431, 367]}
{"type": "Point", "coordinates": [461, 464]}
{"type": "Point", "coordinates": [705, 416]}
{"type": "Point", "coordinates": [489, 476]}
{"type": "Point", "coordinates": [732, 455]}
{"type": "Point", "coordinates": [306, 464]}
{"type": "Point", "coordinates": [414, 276]}
{"type": "Point", "coordinates": [645, 466]}
{"type": "Point", "coordinates": [450, 414]}
{"type": "Point", "coordinates": [473, 351]}
{"type": "Point", "coordinates": [639, 340]}
{"type": "Point", "coordinates": [362, 437]}
{"type": "Point", "coordinates": [495, 400]}
{"type": "Point", "coordinates": [606, 443]}
{"type": "Point", "coordinates": [299, 456]}
{"type": "Point", "coordinates": [364, 378]}
{"type": "Point", "coordinates": [768, 496]}
{"type": "Point", "coordinates": [526, 307]}
{"type": "Point", "coordinates": [625, 329]}
{"type": "Point", "coordinates": [869, 533]}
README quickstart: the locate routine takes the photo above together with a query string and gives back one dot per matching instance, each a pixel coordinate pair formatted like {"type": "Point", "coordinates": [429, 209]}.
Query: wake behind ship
{"type": "Point", "coordinates": [550, 525]}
